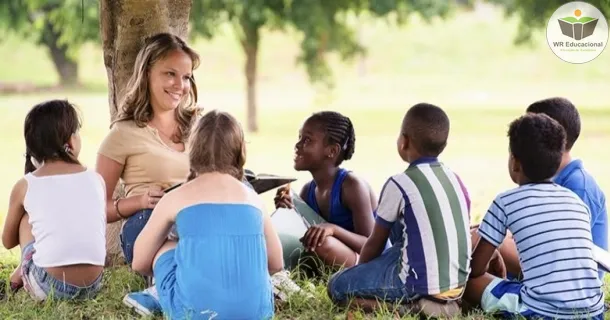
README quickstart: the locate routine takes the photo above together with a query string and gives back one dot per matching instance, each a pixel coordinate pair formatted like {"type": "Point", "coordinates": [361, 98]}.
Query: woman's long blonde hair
{"type": "Point", "coordinates": [136, 106]}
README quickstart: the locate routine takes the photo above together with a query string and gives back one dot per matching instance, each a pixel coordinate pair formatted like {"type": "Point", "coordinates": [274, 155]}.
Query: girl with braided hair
{"type": "Point", "coordinates": [346, 202]}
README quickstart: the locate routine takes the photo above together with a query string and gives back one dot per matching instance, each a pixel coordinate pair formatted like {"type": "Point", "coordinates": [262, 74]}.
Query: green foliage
{"type": "Point", "coordinates": [325, 25]}
{"type": "Point", "coordinates": [534, 14]}
{"type": "Point", "coordinates": [74, 21]}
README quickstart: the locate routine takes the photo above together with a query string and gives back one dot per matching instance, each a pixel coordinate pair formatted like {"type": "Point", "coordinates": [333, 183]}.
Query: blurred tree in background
{"type": "Point", "coordinates": [61, 26]}
{"type": "Point", "coordinates": [534, 14]}
{"type": "Point", "coordinates": [324, 25]}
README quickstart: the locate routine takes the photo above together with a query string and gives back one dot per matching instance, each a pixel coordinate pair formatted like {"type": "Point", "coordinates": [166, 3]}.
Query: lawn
{"type": "Point", "coordinates": [482, 81]}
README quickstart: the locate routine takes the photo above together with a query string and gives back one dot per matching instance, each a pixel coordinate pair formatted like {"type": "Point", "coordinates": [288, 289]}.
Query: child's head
{"type": "Point", "coordinates": [564, 112]}
{"type": "Point", "coordinates": [424, 132]}
{"type": "Point", "coordinates": [162, 81]}
{"type": "Point", "coordinates": [326, 138]}
{"type": "Point", "coordinates": [51, 133]}
{"type": "Point", "coordinates": [536, 143]}
{"type": "Point", "coordinates": [217, 145]}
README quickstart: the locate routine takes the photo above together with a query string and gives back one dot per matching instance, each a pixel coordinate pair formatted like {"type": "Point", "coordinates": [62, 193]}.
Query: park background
{"type": "Point", "coordinates": [467, 63]}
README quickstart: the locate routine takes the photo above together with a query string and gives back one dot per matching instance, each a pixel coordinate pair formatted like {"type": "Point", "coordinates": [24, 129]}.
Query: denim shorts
{"type": "Point", "coordinates": [504, 298]}
{"type": "Point", "coordinates": [376, 279]}
{"type": "Point", "coordinates": [41, 285]}
{"type": "Point", "coordinates": [130, 231]}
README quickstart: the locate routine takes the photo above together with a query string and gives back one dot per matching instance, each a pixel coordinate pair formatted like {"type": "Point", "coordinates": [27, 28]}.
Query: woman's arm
{"type": "Point", "coordinates": [357, 197]}
{"type": "Point", "coordinates": [10, 233]}
{"type": "Point", "coordinates": [111, 171]}
{"type": "Point", "coordinates": [153, 236]}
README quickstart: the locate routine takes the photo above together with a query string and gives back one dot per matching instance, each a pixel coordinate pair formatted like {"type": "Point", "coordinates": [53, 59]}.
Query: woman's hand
{"type": "Point", "coordinates": [150, 199]}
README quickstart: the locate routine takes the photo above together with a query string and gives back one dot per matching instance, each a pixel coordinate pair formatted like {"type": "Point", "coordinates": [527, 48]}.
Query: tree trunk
{"type": "Point", "coordinates": [67, 68]}
{"type": "Point", "coordinates": [124, 24]}
{"type": "Point", "coordinates": [250, 42]}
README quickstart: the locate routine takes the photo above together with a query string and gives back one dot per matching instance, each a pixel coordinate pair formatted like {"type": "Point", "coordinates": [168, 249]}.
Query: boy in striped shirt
{"type": "Point", "coordinates": [429, 207]}
{"type": "Point", "coordinates": [550, 227]}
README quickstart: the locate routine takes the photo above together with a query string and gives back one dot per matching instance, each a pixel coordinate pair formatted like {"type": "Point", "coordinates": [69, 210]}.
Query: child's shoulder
{"type": "Point", "coordinates": [537, 191]}
{"type": "Point", "coordinates": [354, 181]}
{"type": "Point", "coordinates": [20, 186]}
{"type": "Point", "coordinates": [575, 176]}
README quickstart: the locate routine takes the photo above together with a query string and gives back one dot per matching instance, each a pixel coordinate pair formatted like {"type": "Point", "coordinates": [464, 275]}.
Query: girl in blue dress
{"type": "Point", "coordinates": [220, 266]}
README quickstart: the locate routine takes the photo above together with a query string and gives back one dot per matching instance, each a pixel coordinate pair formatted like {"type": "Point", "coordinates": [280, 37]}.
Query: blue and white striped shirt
{"type": "Point", "coordinates": [551, 228]}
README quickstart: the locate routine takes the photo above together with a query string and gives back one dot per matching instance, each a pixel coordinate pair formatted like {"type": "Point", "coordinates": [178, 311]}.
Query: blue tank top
{"type": "Point", "coordinates": [221, 263]}
{"type": "Point", "coordinates": [339, 214]}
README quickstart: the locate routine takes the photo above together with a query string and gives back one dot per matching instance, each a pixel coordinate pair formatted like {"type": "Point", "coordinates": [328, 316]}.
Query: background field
{"type": "Point", "coordinates": [467, 65]}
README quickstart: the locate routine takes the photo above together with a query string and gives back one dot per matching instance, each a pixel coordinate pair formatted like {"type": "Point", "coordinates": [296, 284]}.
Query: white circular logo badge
{"type": "Point", "coordinates": [577, 32]}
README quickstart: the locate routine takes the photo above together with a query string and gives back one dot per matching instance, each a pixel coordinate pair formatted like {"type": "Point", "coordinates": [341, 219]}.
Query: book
{"type": "Point", "coordinates": [291, 225]}
{"type": "Point", "coordinates": [263, 182]}
{"type": "Point", "coordinates": [260, 183]}
{"type": "Point", "coordinates": [577, 29]}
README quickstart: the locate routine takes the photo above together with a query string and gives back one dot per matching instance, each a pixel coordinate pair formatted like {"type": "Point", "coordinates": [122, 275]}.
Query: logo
{"type": "Point", "coordinates": [577, 32]}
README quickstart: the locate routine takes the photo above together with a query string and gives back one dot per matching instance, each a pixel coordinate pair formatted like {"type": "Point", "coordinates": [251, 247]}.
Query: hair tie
{"type": "Point", "coordinates": [348, 133]}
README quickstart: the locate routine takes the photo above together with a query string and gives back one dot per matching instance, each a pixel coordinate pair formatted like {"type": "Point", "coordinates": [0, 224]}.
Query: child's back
{"type": "Point", "coordinates": [551, 231]}
{"type": "Point", "coordinates": [57, 210]}
{"type": "Point", "coordinates": [550, 225]}
{"type": "Point", "coordinates": [66, 212]}
{"type": "Point", "coordinates": [220, 258]}
{"type": "Point", "coordinates": [221, 264]}
{"type": "Point", "coordinates": [435, 220]}
{"type": "Point", "coordinates": [571, 173]}
{"type": "Point", "coordinates": [429, 259]}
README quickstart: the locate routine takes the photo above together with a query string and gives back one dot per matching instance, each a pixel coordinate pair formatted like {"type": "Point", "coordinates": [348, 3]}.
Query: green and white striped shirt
{"type": "Point", "coordinates": [432, 205]}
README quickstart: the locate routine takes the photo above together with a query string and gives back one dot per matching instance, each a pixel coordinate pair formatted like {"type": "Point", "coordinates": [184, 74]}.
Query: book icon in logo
{"type": "Point", "coordinates": [577, 28]}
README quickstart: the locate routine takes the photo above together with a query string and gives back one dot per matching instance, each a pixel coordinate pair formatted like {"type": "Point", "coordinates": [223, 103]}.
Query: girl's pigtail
{"type": "Point", "coordinates": [29, 165]}
{"type": "Point", "coordinates": [192, 175]}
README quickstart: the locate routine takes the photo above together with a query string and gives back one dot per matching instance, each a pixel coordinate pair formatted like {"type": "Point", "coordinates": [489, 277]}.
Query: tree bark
{"type": "Point", "coordinates": [250, 42]}
{"type": "Point", "coordinates": [124, 24]}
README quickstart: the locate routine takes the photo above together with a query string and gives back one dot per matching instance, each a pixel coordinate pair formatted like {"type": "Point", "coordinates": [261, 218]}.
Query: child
{"type": "Point", "coordinates": [57, 210]}
{"type": "Point", "coordinates": [431, 206]}
{"type": "Point", "coordinates": [227, 247]}
{"type": "Point", "coordinates": [571, 173]}
{"type": "Point", "coordinates": [551, 230]}
{"type": "Point", "coordinates": [345, 201]}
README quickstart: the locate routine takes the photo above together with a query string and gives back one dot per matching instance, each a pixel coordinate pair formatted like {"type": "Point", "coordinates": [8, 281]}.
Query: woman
{"type": "Point", "coordinates": [145, 147]}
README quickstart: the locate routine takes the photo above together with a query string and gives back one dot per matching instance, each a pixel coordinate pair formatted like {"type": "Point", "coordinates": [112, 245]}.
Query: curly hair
{"type": "Point", "coordinates": [537, 141]}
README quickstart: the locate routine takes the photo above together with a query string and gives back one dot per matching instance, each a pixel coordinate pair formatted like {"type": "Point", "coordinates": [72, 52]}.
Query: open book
{"type": "Point", "coordinates": [264, 182]}
{"type": "Point", "coordinates": [260, 183]}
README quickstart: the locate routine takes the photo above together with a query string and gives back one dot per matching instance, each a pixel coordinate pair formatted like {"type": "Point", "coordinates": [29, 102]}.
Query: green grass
{"type": "Point", "coordinates": [467, 65]}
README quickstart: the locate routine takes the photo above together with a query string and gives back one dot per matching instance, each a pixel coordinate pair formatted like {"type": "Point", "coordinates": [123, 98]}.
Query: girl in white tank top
{"type": "Point", "coordinates": [57, 211]}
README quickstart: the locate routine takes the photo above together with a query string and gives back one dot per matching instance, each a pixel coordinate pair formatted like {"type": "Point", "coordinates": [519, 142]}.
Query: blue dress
{"type": "Point", "coordinates": [218, 269]}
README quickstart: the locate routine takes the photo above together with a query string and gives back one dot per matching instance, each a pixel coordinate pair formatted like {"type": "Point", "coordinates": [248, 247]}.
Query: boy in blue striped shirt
{"type": "Point", "coordinates": [551, 228]}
